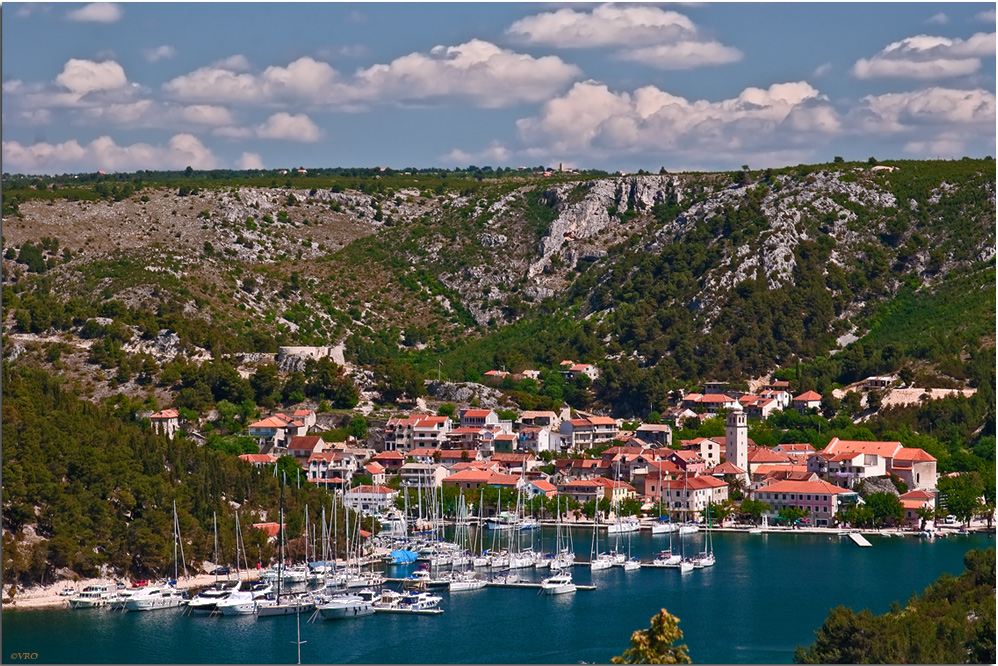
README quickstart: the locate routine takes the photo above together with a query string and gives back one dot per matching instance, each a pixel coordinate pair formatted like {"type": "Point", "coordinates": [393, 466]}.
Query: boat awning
{"type": "Point", "coordinates": [403, 556]}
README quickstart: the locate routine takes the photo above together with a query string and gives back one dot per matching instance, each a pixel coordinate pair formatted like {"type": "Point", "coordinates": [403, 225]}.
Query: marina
{"type": "Point", "coordinates": [774, 576]}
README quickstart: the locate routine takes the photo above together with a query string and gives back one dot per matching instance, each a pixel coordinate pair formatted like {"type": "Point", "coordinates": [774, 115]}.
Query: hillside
{"type": "Point", "coordinates": [681, 277]}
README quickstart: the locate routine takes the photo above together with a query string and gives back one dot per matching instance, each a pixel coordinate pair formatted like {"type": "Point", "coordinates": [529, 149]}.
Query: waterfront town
{"type": "Point", "coordinates": [586, 457]}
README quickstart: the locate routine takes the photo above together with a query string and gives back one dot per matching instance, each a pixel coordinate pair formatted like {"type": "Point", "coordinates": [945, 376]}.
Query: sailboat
{"type": "Point", "coordinates": [597, 560]}
{"type": "Point", "coordinates": [271, 605]}
{"type": "Point", "coordinates": [706, 557]}
{"type": "Point", "coordinates": [155, 597]}
{"type": "Point", "coordinates": [685, 563]}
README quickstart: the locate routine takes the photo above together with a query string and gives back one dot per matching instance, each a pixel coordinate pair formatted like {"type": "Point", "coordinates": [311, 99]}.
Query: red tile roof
{"type": "Point", "coordinates": [476, 413]}
{"type": "Point", "coordinates": [726, 468]}
{"type": "Point", "coordinates": [808, 396]}
{"type": "Point", "coordinates": [819, 487]}
{"type": "Point", "coordinates": [882, 449]}
{"type": "Point", "coordinates": [371, 490]}
{"type": "Point", "coordinates": [487, 476]}
{"type": "Point", "coordinates": [389, 455]}
{"type": "Point", "coordinates": [914, 455]}
{"type": "Point", "coordinates": [166, 414]}
{"type": "Point", "coordinates": [258, 457]}
{"type": "Point", "coordinates": [762, 455]}
{"type": "Point", "coordinates": [304, 442]}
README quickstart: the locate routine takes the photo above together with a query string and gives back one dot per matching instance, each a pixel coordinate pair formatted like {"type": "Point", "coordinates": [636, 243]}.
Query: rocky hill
{"type": "Point", "coordinates": [726, 274]}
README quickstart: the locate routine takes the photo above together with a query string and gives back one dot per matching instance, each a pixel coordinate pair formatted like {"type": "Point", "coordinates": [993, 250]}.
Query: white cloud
{"type": "Point", "coordinates": [206, 114]}
{"type": "Point", "coordinates": [987, 16]}
{"type": "Point", "coordinates": [821, 70]}
{"type": "Point", "coordinates": [97, 12]}
{"type": "Point", "coordinates": [938, 19]}
{"type": "Point", "coordinates": [478, 71]}
{"type": "Point", "coordinates": [158, 53]}
{"type": "Point", "coordinates": [927, 57]}
{"type": "Point", "coordinates": [86, 76]}
{"type": "Point", "coordinates": [289, 127]}
{"type": "Point", "coordinates": [250, 161]}
{"type": "Point", "coordinates": [916, 110]}
{"type": "Point", "coordinates": [103, 153]}
{"type": "Point", "coordinates": [496, 154]}
{"type": "Point", "coordinates": [590, 118]}
{"type": "Point", "coordinates": [235, 63]}
{"type": "Point", "coordinates": [682, 55]}
{"type": "Point", "coordinates": [646, 34]}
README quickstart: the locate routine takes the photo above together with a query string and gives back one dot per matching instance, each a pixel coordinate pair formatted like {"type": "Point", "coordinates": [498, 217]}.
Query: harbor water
{"type": "Point", "coordinates": [766, 595]}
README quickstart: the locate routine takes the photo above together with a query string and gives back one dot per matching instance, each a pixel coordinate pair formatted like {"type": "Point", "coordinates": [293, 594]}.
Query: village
{"type": "Point", "coordinates": [638, 467]}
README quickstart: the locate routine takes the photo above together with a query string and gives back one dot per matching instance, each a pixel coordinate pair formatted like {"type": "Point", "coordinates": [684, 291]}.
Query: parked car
{"type": "Point", "coordinates": [67, 592]}
{"type": "Point", "coordinates": [142, 582]}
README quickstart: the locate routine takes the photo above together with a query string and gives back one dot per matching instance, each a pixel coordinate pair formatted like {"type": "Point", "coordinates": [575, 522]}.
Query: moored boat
{"type": "Point", "coordinates": [155, 597]}
{"type": "Point", "coordinates": [560, 583]}
{"type": "Point", "coordinates": [94, 596]}
{"type": "Point", "coordinates": [345, 606]}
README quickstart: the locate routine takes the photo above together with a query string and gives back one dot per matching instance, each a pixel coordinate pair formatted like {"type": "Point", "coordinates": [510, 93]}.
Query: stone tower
{"type": "Point", "coordinates": [736, 439]}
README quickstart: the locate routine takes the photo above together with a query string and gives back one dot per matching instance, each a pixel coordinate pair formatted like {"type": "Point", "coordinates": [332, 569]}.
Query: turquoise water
{"type": "Point", "coordinates": [766, 595]}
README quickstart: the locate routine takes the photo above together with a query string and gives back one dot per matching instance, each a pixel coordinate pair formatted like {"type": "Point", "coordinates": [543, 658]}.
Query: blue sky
{"type": "Point", "coordinates": [129, 86]}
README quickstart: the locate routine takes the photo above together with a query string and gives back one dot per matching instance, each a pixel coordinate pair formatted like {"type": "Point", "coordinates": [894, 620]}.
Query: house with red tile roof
{"type": "Point", "coordinates": [916, 468]}
{"type": "Point", "coordinates": [303, 446]}
{"type": "Point", "coordinates": [688, 461]}
{"type": "Point", "coordinates": [473, 479]}
{"type": "Point", "coordinates": [807, 401]}
{"type": "Point", "coordinates": [416, 431]}
{"type": "Point", "coordinates": [504, 442]}
{"type": "Point", "coordinates": [649, 481]}
{"type": "Point", "coordinates": [539, 419]}
{"type": "Point", "coordinates": [422, 475]}
{"type": "Point", "coordinates": [579, 468]}
{"type": "Point", "coordinates": [763, 455]}
{"type": "Point", "coordinates": [276, 430]}
{"type": "Point", "coordinates": [583, 433]}
{"type": "Point", "coordinates": [370, 499]}
{"type": "Point", "coordinates": [514, 463]}
{"type": "Point", "coordinates": [325, 465]}
{"type": "Point", "coordinates": [582, 490]}
{"type": "Point", "coordinates": [781, 397]}
{"type": "Point", "coordinates": [451, 456]}
{"type": "Point", "coordinates": [391, 460]}
{"type": "Point", "coordinates": [376, 472]}
{"type": "Point", "coordinates": [166, 422]}
{"type": "Point", "coordinates": [258, 459]}
{"type": "Point", "coordinates": [616, 491]}
{"type": "Point", "coordinates": [576, 369]}
{"type": "Point", "coordinates": [690, 495]}
{"type": "Point", "coordinates": [711, 403]}
{"type": "Point", "coordinates": [479, 418]}
{"type": "Point", "coordinates": [765, 474]}
{"type": "Point", "coordinates": [819, 499]}
{"type": "Point", "coordinates": [539, 487]}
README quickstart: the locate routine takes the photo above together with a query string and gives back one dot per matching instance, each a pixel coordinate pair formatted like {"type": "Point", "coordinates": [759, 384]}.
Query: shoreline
{"type": "Point", "coordinates": [47, 597]}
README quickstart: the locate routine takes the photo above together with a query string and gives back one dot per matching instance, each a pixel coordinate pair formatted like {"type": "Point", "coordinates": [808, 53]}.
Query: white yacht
{"type": "Point", "coordinates": [155, 597]}
{"type": "Point", "coordinates": [206, 602]}
{"type": "Point", "coordinates": [560, 583]}
{"type": "Point", "coordinates": [463, 582]}
{"type": "Point", "coordinates": [243, 601]}
{"type": "Point", "coordinates": [271, 605]}
{"type": "Point", "coordinates": [94, 596]}
{"type": "Point", "coordinates": [343, 606]}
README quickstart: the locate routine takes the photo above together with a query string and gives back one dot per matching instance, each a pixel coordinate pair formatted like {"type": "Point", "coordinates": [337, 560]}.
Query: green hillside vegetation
{"type": "Point", "coordinates": [951, 622]}
{"type": "Point", "coordinates": [98, 487]}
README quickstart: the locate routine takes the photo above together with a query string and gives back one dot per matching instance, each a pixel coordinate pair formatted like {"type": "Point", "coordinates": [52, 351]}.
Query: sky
{"type": "Point", "coordinates": [684, 86]}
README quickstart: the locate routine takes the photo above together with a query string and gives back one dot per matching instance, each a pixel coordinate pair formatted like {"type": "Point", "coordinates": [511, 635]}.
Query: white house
{"type": "Point", "coordinates": [166, 422]}
{"type": "Point", "coordinates": [370, 499]}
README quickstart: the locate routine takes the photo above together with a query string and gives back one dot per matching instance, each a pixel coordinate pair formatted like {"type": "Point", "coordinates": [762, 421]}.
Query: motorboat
{"type": "Point", "coordinates": [463, 582]}
{"type": "Point", "coordinates": [94, 596]}
{"type": "Point", "coordinates": [420, 603]}
{"type": "Point", "coordinates": [421, 579]}
{"type": "Point", "coordinates": [207, 601]}
{"type": "Point", "coordinates": [342, 606]}
{"type": "Point", "coordinates": [155, 597]}
{"type": "Point", "coordinates": [560, 583]}
{"type": "Point", "coordinates": [244, 600]}
{"type": "Point", "coordinates": [272, 605]}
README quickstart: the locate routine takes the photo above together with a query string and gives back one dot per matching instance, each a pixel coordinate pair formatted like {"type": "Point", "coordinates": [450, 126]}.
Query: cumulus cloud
{"type": "Point", "coordinates": [916, 110]}
{"type": "Point", "coordinates": [650, 35]}
{"type": "Point", "coordinates": [927, 57]}
{"type": "Point", "coordinates": [285, 126]}
{"type": "Point", "coordinates": [496, 153]}
{"type": "Point", "coordinates": [478, 71]}
{"type": "Point", "coordinates": [97, 12]}
{"type": "Point", "coordinates": [289, 127]}
{"type": "Point", "coordinates": [158, 53]}
{"type": "Point", "coordinates": [103, 153]}
{"type": "Point", "coordinates": [938, 19]}
{"type": "Point", "coordinates": [206, 114]}
{"type": "Point", "coordinates": [86, 76]}
{"type": "Point", "coordinates": [250, 161]}
{"type": "Point", "coordinates": [591, 117]}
